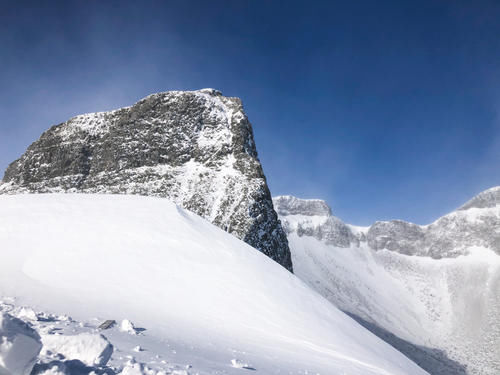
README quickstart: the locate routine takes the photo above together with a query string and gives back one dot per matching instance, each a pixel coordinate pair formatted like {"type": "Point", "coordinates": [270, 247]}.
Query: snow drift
{"type": "Point", "coordinates": [182, 279]}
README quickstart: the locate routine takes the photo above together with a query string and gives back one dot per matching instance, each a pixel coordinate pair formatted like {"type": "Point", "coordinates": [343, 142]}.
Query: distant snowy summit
{"type": "Point", "coordinates": [194, 147]}
{"type": "Point", "coordinates": [430, 291]}
{"type": "Point", "coordinates": [313, 217]}
{"type": "Point", "coordinates": [487, 199]}
{"type": "Point", "coordinates": [452, 235]}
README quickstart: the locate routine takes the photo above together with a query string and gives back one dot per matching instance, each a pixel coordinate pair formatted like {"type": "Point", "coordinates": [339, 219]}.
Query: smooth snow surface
{"type": "Point", "coordinates": [195, 291]}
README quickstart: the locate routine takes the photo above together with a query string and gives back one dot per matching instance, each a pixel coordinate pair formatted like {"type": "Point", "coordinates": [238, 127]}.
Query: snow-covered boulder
{"type": "Point", "coordinates": [19, 346]}
{"type": "Point", "coordinates": [127, 326]}
{"type": "Point", "coordinates": [91, 349]}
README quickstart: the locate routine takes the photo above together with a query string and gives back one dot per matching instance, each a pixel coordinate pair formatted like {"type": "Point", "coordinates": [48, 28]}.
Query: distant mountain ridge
{"type": "Point", "coordinates": [431, 291]}
{"type": "Point", "coordinates": [447, 237]}
{"type": "Point", "coordinates": [194, 147]}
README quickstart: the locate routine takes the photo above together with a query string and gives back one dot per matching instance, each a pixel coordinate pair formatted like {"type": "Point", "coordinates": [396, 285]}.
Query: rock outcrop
{"type": "Point", "coordinates": [195, 148]}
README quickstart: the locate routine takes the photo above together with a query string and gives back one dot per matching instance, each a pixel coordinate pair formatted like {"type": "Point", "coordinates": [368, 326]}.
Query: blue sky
{"type": "Point", "coordinates": [386, 109]}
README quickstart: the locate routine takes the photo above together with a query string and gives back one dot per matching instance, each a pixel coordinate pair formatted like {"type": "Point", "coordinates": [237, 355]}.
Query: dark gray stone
{"type": "Point", "coordinates": [195, 148]}
{"type": "Point", "coordinates": [107, 324]}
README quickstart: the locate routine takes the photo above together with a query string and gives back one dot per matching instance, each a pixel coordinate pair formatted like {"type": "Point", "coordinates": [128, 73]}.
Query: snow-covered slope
{"type": "Point", "coordinates": [443, 313]}
{"type": "Point", "coordinates": [194, 147]}
{"type": "Point", "coordinates": [198, 292]}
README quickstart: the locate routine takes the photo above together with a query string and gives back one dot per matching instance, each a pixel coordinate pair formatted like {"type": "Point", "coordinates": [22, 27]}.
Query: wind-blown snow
{"type": "Point", "coordinates": [182, 279]}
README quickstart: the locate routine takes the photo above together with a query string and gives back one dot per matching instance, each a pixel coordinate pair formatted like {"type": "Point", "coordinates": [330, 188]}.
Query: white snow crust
{"type": "Point", "coordinates": [200, 295]}
{"type": "Point", "coordinates": [91, 349]}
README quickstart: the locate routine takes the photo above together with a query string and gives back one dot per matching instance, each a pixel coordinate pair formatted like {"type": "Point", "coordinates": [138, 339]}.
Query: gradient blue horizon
{"type": "Point", "coordinates": [386, 109]}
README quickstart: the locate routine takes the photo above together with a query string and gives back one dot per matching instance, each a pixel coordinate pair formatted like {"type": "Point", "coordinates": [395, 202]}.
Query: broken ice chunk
{"type": "Point", "coordinates": [19, 346]}
{"type": "Point", "coordinates": [91, 349]}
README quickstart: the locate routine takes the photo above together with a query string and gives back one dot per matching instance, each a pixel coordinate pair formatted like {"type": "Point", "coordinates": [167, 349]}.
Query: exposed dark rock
{"type": "Point", "coordinates": [195, 148]}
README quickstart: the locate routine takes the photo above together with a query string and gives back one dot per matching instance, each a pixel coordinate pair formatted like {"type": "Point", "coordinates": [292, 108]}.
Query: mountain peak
{"type": "Point", "coordinates": [486, 199]}
{"type": "Point", "coordinates": [289, 205]}
{"type": "Point", "coordinates": [211, 91]}
{"type": "Point", "coordinates": [448, 237]}
{"type": "Point", "coordinates": [195, 148]}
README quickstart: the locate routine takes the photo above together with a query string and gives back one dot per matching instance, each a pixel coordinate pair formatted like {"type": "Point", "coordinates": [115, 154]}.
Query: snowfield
{"type": "Point", "coordinates": [450, 304]}
{"type": "Point", "coordinates": [442, 313]}
{"type": "Point", "coordinates": [201, 301]}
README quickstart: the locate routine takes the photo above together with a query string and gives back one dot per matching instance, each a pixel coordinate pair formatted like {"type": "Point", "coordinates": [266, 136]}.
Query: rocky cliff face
{"type": "Point", "coordinates": [195, 148]}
